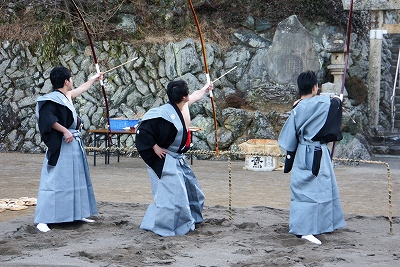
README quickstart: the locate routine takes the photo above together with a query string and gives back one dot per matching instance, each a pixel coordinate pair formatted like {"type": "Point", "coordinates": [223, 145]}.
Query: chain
{"type": "Point", "coordinates": [129, 151]}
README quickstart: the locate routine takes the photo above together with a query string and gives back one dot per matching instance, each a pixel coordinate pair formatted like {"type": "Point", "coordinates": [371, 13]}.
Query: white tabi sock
{"type": "Point", "coordinates": [43, 227]}
{"type": "Point", "coordinates": [87, 220]}
{"type": "Point", "coordinates": [312, 239]}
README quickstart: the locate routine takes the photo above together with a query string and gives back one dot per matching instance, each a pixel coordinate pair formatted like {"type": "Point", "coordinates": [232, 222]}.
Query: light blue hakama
{"type": "Point", "coordinates": [178, 199]}
{"type": "Point", "coordinates": [65, 190]}
{"type": "Point", "coordinates": [315, 205]}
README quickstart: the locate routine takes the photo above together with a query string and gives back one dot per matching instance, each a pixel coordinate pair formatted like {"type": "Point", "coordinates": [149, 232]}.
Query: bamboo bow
{"type": "Point", "coordinates": [203, 48]}
{"type": "Point", "coordinates": [96, 64]}
{"type": "Point", "coordinates": [346, 60]}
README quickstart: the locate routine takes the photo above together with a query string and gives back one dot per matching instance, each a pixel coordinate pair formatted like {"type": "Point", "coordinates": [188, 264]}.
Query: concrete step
{"type": "Point", "coordinates": [385, 150]}
{"type": "Point", "coordinates": [394, 150]}
{"type": "Point", "coordinates": [387, 138]}
{"type": "Point", "coordinates": [388, 143]}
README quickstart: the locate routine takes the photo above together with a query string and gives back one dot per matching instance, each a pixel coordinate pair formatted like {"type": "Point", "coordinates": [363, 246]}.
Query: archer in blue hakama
{"type": "Point", "coordinates": [65, 189]}
{"type": "Point", "coordinates": [315, 206]}
{"type": "Point", "coordinates": [162, 138]}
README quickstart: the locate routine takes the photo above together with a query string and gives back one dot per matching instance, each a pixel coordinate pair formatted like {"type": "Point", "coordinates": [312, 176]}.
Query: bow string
{"type": "Point", "coordinates": [203, 48]}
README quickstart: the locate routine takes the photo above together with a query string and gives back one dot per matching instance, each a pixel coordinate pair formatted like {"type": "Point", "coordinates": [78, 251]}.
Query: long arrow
{"type": "Point", "coordinates": [116, 67]}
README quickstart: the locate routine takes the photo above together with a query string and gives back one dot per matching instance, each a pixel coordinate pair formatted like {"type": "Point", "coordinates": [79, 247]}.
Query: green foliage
{"type": "Point", "coordinates": [55, 33]}
{"type": "Point", "coordinates": [19, 7]}
{"type": "Point", "coordinates": [356, 89]}
{"type": "Point", "coordinates": [139, 34]}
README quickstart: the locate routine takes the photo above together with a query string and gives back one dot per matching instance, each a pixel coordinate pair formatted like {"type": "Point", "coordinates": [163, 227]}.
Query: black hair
{"type": "Point", "coordinates": [58, 75]}
{"type": "Point", "coordinates": [176, 90]}
{"type": "Point", "coordinates": [306, 81]}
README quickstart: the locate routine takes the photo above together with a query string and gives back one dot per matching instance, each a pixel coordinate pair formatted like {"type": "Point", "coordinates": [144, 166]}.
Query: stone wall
{"type": "Point", "coordinates": [265, 76]}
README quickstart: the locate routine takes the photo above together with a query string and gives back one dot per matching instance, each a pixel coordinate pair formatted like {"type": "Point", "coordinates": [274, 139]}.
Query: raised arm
{"type": "Point", "coordinates": [198, 94]}
{"type": "Point", "coordinates": [85, 86]}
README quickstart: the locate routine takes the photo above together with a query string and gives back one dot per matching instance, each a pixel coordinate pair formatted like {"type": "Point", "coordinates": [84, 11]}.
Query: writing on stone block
{"type": "Point", "coordinates": [291, 52]}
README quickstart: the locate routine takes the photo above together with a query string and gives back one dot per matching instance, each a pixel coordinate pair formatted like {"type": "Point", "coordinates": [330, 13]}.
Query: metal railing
{"type": "Point", "coordinates": [393, 97]}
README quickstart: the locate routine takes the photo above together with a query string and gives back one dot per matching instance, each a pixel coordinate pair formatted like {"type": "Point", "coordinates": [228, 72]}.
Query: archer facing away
{"type": "Point", "coordinates": [161, 138]}
{"type": "Point", "coordinates": [314, 121]}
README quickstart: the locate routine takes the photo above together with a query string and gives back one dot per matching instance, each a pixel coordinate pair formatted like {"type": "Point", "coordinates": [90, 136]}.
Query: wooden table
{"type": "Point", "coordinates": [104, 133]}
{"type": "Point", "coordinates": [99, 133]}
{"type": "Point", "coordinates": [193, 129]}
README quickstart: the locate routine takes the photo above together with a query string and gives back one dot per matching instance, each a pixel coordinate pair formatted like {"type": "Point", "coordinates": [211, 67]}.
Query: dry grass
{"type": "Point", "coordinates": [53, 22]}
{"type": "Point", "coordinates": [218, 18]}
{"type": "Point", "coordinates": [18, 32]}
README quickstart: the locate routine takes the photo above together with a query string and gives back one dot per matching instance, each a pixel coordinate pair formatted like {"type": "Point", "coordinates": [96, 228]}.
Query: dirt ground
{"type": "Point", "coordinates": [246, 219]}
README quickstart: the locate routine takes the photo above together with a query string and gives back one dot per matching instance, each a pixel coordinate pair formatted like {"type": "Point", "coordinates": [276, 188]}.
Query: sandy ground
{"type": "Point", "coordinates": [246, 219]}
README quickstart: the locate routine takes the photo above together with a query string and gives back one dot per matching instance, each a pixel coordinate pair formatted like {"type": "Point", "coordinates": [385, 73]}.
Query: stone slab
{"type": "Point", "coordinates": [291, 53]}
{"type": "Point", "coordinates": [372, 4]}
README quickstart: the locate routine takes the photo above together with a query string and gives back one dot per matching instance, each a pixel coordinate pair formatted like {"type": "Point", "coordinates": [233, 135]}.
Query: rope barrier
{"type": "Point", "coordinates": [230, 188]}
{"type": "Point", "coordinates": [132, 150]}
{"type": "Point", "coordinates": [390, 217]}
